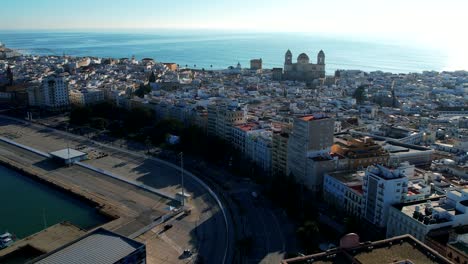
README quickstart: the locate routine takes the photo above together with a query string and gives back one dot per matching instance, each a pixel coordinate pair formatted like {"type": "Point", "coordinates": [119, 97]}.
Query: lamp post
{"type": "Point", "coordinates": [182, 176]}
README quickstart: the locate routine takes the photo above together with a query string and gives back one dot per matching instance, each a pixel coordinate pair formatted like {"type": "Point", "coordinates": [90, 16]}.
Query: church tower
{"type": "Point", "coordinates": [288, 58]}
{"type": "Point", "coordinates": [321, 58]}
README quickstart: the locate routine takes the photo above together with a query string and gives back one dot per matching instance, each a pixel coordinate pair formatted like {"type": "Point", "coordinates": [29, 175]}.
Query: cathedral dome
{"type": "Point", "coordinates": [303, 58]}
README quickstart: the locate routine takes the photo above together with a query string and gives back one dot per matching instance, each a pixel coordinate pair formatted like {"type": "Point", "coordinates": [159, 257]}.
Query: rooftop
{"type": "Point", "coordinates": [100, 246]}
{"type": "Point", "coordinates": [350, 178]}
{"type": "Point", "coordinates": [401, 249]}
{"type": "Point", "coordinates": [436, 211]}
{"type": "Point", "coordinates": [67, 153]}
{"type": "Point", "coordinates": [313, 117]}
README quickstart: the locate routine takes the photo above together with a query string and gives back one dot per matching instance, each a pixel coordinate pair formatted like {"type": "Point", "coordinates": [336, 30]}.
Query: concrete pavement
{"type": "Point", "coordinates": [204, 230]}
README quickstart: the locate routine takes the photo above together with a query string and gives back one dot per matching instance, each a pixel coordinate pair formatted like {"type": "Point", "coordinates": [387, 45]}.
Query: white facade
{"type": "Point", "coordinates": [418, 219]}
{"type": "Point", "coordinates": [52, 93]}
{"type": "Point", "coordinates": [382, 188]}
{"type": "Point", "coordinates": [258, 145]}
{"type": "Point", "coordinates": [344, 191]}
{"type": "Point", "coordinates": [86, 96]}
{"type": "Point", "coordinates": [222, 117]}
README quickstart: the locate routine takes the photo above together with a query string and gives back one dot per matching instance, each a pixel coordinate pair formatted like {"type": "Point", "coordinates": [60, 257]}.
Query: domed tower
{"type": "Point", "coordinates": [303, 59]}
{"type": "Point", "coordinates": [288, 58]}
{"type": "Point", "coordinates": [321, 58]}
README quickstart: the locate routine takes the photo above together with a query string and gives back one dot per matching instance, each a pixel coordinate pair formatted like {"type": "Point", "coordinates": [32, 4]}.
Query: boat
{"type": "Point", "coordinates": [6, 240]}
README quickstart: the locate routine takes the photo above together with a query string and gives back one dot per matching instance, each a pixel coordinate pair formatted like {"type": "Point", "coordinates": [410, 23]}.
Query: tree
{"type": "Point", "coordinates": [159, 132]}
{"type": "Point", "coordinates": [152, 77]}
{"type": "Point", "coordinates": [80, 115]}
{"type": "Point", "coordinates": [360, 94]}
{"type": "Point", "coordinates": [137, 118]}
{"type": "Point", "coordinates": [309, 233]}
{"type": "Point", "coordinates": [9, 73]}
{"type": "Point", "coordinates": [99, 123]}
{"type": "Point", "coordinates": [142, 90]}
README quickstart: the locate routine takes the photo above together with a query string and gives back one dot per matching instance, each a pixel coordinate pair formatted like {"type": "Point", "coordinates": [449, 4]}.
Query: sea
{"type": "Point", "coordinates": [219, 50]}
{"type": "Point", "coordinates": [29, 206]}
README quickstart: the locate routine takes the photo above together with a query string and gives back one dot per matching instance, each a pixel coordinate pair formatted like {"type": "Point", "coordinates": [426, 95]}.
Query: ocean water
{"type": "Point", "coordinates": [29, 206]}
{"type": "Point", "coordinates": [220, 50]}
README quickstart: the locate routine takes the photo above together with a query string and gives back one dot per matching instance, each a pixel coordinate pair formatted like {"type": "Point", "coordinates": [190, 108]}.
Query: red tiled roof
{"type": "Point", "coordinates": [308, 118]}
{"type": "Point", "coordinates": [246, 127]}
{"type": "Point", "coordinates": [358, 188]}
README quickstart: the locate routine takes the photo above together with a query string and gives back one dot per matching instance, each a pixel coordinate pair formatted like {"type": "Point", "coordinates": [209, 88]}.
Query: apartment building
{"type": "Point", "coordinates": [86, 96]}
{"type": "Point", "coordinates": [52, 93]}
{"type": "Point", "coordinates": [221, 118]}
{"type": "Point", "coordinates": [309, 133]}
{"type": "Point", "coordinates": [382, 188]}
{"type": "Point", "coordinates": [419, 218]}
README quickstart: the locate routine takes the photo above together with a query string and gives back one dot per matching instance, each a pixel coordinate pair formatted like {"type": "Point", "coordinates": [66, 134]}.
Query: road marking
{"type": "Point", "coordinates": [171, 243]}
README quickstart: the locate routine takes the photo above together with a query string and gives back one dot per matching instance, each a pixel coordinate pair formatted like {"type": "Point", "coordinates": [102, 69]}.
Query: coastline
{"type": "Point", "coordinates": [222, 50]}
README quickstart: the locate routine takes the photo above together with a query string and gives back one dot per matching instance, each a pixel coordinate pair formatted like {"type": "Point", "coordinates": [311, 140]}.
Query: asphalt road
{"type": "Point", "coordinates": [205, 228]}
{"type": "Point", "coordinates": [272, 232]}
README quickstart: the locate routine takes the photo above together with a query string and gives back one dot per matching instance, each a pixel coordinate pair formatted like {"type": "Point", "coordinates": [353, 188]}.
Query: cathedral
{"type": "Point", "coordinates": [303, 70]}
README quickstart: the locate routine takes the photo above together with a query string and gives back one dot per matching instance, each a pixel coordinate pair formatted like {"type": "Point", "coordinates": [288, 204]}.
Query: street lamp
{"type": "Point", "coordinates": [182, 176]}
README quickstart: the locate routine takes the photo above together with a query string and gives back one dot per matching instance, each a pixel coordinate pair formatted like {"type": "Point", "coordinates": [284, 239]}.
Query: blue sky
{"type": "Point", "coordinates": [433, 22]}
{"type": "Point", "coordinates": [362, 16]}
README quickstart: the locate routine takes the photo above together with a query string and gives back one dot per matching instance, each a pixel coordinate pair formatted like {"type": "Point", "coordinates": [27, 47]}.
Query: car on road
{"type": "Point", "coordinates": [187, 253]}
{"type": "Point", "coordinates": [167, 227]}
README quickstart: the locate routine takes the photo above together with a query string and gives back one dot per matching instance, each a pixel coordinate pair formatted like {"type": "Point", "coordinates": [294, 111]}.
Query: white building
{"type": "Point", "coordinates": [239, 135]}
{"type": "Point", "coordinates": [382, 187]}
{"type": "Point", "coordinates": [86, 96]}
{"type": "Point", "coordinates": [344, 191]}
{"type": "Point", "coordinates": [419, 218]}
{"type": "Point", "coordinates": [223, 116]}
{"type": "Point", "coordinates": [258, 146]}
{"type": "Point", "coordinates": [52, 93]}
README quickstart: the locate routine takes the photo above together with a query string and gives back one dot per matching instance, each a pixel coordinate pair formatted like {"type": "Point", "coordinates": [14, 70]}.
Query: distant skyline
{"type": "Point", "coordinates": [434, 23]}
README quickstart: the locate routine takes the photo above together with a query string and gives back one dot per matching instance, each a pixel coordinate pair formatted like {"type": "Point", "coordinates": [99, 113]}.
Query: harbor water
{"type": "Point", "coordinates": [28, 206]}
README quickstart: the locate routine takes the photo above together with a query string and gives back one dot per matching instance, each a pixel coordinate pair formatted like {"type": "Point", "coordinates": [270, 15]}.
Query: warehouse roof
{"type": "Point", "coordinates": [98, 247]}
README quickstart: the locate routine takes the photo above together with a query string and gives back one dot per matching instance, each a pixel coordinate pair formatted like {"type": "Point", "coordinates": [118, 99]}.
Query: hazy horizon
{"type": "Point", "coordinates": [429, 23]}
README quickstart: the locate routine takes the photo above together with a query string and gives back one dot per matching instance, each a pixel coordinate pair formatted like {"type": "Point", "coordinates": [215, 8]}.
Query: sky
{"type": "Point", "coordinates": [432, 22]}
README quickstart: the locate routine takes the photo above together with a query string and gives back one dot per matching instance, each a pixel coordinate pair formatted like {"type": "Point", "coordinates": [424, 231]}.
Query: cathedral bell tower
{"type": "Point", "coordinates": [321, 58]}
{"type": "Point", "coordinates": [288, 58]}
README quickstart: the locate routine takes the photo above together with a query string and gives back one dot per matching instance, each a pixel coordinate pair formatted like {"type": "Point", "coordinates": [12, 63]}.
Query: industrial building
{"type": "Point", "coordinates": [98, 247]}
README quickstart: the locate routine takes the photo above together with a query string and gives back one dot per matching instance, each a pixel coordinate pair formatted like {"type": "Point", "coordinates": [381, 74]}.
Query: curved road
{"type": "Point", "coordinates": [211, 231]}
